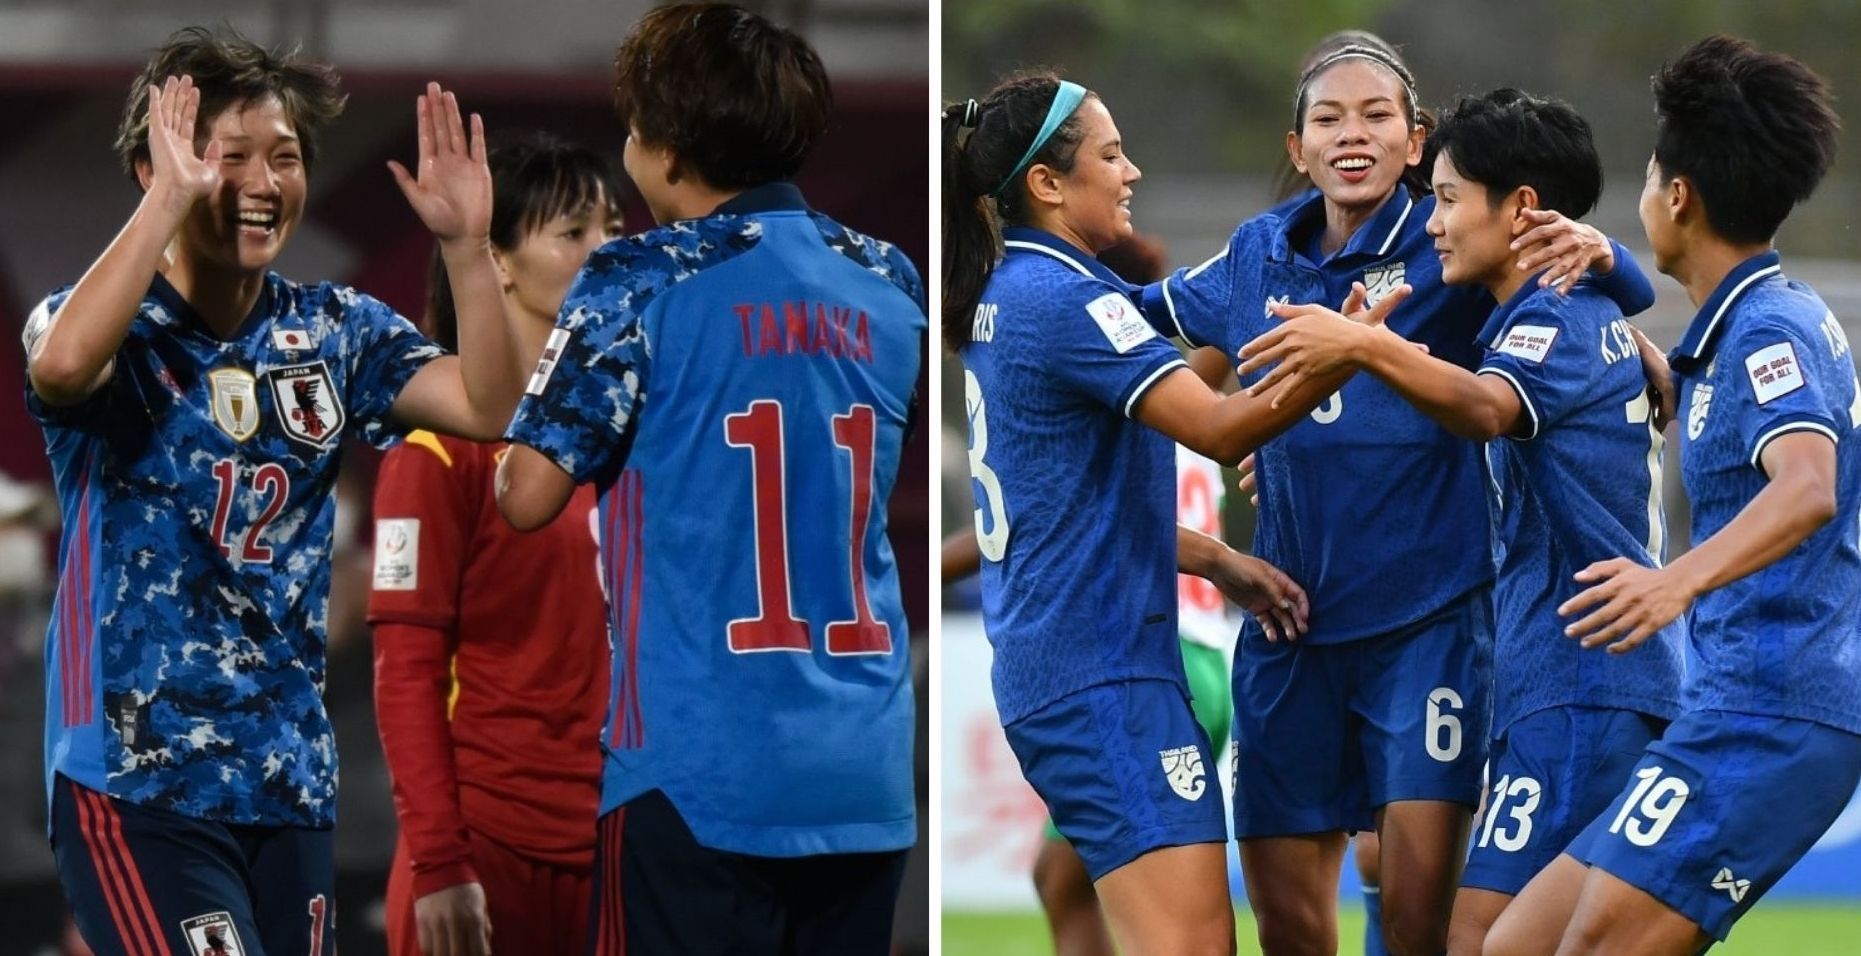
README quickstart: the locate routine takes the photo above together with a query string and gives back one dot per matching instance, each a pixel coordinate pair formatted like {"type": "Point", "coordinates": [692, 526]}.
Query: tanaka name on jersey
{"type": "Point", "coordinates": [805, 328]}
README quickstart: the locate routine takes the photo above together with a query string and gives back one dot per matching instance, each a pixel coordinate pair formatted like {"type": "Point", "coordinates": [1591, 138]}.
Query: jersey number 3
{"type": "Point", "coordinates": [775, 627]}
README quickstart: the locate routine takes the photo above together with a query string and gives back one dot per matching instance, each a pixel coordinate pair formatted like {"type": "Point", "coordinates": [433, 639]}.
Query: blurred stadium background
{"type": "Point", "coordinates": [65, 66]}
{"type": "Point", "coordinates": [1203, 96]}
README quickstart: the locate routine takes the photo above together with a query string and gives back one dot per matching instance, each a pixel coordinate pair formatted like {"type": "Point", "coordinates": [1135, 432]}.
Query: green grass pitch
{"type": "Point", "coordinates": [1772, 929]}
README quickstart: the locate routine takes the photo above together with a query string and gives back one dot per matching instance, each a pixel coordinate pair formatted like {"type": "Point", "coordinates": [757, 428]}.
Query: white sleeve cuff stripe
{"type": "Point", "coordinates": [1764, 440]}
{"type": "Point", "coordinates": [1170, 303]}
{"type": "Point", "coordinates": [1144, 386]}
{"type": "Point", "coordinates": [1524, 400]}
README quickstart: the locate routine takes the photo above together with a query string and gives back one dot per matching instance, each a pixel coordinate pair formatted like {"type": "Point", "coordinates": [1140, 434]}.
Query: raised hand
{"type": "Point", "coordinates": [1564, 248]}
{"type": "Point", "coordinates": [1314, 341]}
{"type": "Point", "coordinates": [451, 192]}
{"type": "Point", "coordinates": [176, 174]}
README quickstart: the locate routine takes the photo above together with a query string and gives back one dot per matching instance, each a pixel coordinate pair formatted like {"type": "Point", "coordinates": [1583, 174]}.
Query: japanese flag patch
{"type": "Point", "coordinates": [1529, 342]}
{"type": "Point", "coordinates": [1774, 372]}
{"type": "Point", "coordinates": [397, 554]}
{"type": "Point", "coordinates": [1124, 328]}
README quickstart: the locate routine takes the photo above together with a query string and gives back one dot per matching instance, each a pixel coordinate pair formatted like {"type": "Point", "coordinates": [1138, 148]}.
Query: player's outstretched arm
{"type": "Point", "coordinates": [474, 395]}
{"type": "Point", "coordinates": [1627, 602]}
{"type": "Point", "coordinates": [69, 356]}
{"type": "Point", "coordinates": [1255, 586]}
{"type": "Point", "coordinates": [532, 490]}
{"type": "Point", "coordinates": [1229, 428]}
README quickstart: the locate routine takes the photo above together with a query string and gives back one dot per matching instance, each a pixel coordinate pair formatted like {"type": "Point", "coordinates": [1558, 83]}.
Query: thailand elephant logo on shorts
{"type": "Point", "coordinates": [212, 935]}
{"type": "Point", "coordinates": [1182, 767]}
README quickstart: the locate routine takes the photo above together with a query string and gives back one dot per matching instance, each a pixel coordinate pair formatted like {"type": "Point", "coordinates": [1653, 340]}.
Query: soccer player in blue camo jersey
{"type": "Point", "coordinates": [738, 384]}
{"type": "Point", "coordinates": [1378, 717]}
{"type": "Point", "coordinates": [1767, 750]}
{"type": "Point", "coordinates": [194, 405]}
{"type": "Point", "coordinates": [1073, 401]}
{"type": "Point", "coordinates": [1577, 477]}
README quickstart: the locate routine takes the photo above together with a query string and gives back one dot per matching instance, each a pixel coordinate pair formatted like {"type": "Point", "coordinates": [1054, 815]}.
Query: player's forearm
{"type": "Point", "coordinates": [412, 681]}
{"type": "Point", "coordinates": [488, 360]}
{"type": "Point", "coordinates": [1791, 507]}
{"type": "Point", "coordinates": [70, 357]}
{"type": "Point", "coordinates": [1466, 404]}
{"type": "Point", "coordinates": [1241, 423]}
{"type": "Point", "coordinates": [1197, 553]}
{"type": "Point", "coordinates": [962, 555]}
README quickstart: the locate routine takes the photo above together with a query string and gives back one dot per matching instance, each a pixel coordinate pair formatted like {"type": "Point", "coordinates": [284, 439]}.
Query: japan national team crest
{"type": "Point", "coordinates": [308, 406]}
{"type": "Point", "coordinates": [212, 935]}
{"type": "Point", "coordinates": [1382, 280]}
{"type": "Point", "coordinates": [235, 402]}
{"type": "Point", "coordinates": [1182, 767]}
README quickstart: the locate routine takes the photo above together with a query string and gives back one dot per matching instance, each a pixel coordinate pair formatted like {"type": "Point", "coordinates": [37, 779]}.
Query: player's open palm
{"type": "Point", "coordinates": [177, 174]}
{"type": "Point", "coordinates": [1260, 589]}
{"type": "Point", "coordinates": [454, 922]}
{"type": "Point", "coordinates": [450, 188]}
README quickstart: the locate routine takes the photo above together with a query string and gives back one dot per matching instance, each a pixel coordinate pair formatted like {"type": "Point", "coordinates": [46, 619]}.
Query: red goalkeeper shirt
{"type": "Point", "coordinates": [491, 663]}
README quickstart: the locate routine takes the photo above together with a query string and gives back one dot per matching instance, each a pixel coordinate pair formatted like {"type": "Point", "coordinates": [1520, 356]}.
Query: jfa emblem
{"type": "Point", "coordinates": [1182, 767]}
{"type": "Point", "coordinates": [212, 935]}
{"type": "Point", "coordinates": [1697, 409]}
{"type": "Point", "coordinates": [235, 402]}
{"type": "Point", "coordinates": [1379, 282]}
{"type": "Point", "coordinates": [307, 404]}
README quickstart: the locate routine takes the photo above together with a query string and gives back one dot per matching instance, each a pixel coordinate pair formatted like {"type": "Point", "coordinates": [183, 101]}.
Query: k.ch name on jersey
{"type": "Point", "coordinates": [800, 327]}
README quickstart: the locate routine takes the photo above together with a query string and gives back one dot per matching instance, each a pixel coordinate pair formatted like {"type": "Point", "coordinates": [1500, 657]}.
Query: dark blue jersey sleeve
{"type": "Point", "coordinates": [1099, 344]}
{"type": "Point", "coordinates": [1626, 284]}
{"type": "Point", "coordinates": [384, 350]}
{"type": "Point", "coordinates": [1785, 388]}
{"type": "Point", "coordinates": [1549, 361]}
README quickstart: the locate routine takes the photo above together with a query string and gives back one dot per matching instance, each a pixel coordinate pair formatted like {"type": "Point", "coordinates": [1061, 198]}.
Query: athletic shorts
{"type": "Point", "coordinates": [659, 892]}
{"type": "Point", "coordinates": [1124, 770]}
{"type": "Point", "coordinates": [1552, 772]}
{"type": "Point", "coordinates": [1207, 670]}
{"type": "Point", "coordinates": [1717, 810]}
{"type": "Point", "coordinates": [143, 881]}
{"type": "Point", "coordinates": [1325, 734]}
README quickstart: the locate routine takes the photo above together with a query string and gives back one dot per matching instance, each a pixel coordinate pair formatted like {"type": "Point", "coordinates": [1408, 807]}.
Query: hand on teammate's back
{"type": "Point", "coordinates": [453, 921]}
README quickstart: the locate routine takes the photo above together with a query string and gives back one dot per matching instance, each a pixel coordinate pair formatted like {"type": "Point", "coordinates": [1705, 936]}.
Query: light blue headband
{"type": "Point", "coordinates": [1065, 100]}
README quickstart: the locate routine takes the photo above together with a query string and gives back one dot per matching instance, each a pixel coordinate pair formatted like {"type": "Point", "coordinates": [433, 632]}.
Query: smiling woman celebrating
{"type": "Point", "coordinates": [1072, 403]}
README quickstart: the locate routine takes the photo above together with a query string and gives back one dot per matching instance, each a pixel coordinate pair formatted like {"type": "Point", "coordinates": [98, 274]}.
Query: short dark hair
{"type": "Point", "coordinates": [738, 100]}
{"type": "Point", "coordinates": [535, 177]}
{"type": "Point", "coordinates": [983, 141]}
{"type": "Point", "coordinates": [229, 69]}
{"type": "Point", "coordinates": [1506, 139]}
{"type": "Point", "coordinates": [1753, 131]}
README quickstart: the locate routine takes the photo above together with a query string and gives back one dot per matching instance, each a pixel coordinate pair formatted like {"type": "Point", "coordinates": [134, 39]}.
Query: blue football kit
{"type": "Point", "coordinates": [738, 387]}
{"type": "Point", "coordinates": [185, 653]}
{"type": "Point", "coordinates": [1076, 519]}
{"type": "Point", "coordinates": [1379, 513]}
{"type": "Point", "coordinates": [1579, 481]}
{"type": "Point", "coordinates": [1767, 750]}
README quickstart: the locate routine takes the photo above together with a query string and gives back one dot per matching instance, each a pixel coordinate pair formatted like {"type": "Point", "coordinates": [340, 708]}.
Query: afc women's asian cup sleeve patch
{"type": "Point", "coordinates": [1529, 342]}
{"type": "Point", "coordinates": [397, 554]}
{"type": "Point", "coordinates": [1123, 325]}
{"type": "Point", "coordinates": [1774, 372]}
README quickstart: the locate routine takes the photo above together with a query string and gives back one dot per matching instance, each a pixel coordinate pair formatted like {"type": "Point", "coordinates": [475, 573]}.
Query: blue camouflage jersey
{"type": "Point", "coordinates": [1366, 484]}
{"type": "Point", "coordinates": [185, 655]}
{"type": "Point", "coordinates": [738, 387]}
{"type": "Point", "coordinates": [1578, 482]}
{"type": "Point", "coordinates": [1075, 500]}
{"type": "Point", "coordinates": [1763, 358]}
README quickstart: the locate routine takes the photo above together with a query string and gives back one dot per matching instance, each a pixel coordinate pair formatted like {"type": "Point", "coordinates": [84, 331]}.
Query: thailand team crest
{"type": "Point", "coordinates": [235, 402]}
{"type": "Point", "coordinates": [1379, 282]}
{"type": "Point", "coordinates": [308, 406]}
{"type": "Point", "coordinates": [212, 935]}
{"type": "Point", "coordinates": [1698, 409]}
{"type": "Point", "coordinates": [1182, 767]}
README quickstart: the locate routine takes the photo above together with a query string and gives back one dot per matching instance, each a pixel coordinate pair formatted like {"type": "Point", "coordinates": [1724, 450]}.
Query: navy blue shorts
{"type": "Point", "coordinates": [1124, 769]}
{"type": "Point", "coordinates": [1552, 772]}
{"type": "Point", "coordinates": [1719, 808]}
{"type": "Point", "coordinates": [1325, 734]}
{"type": "Point", "coordinates": [147, 882]}
{"type": "Point", "coordinates": [659, 892]}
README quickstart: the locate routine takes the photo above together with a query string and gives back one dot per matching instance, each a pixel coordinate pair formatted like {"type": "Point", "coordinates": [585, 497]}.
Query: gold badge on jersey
{"type": "Point", "coordinates": [235, 402]}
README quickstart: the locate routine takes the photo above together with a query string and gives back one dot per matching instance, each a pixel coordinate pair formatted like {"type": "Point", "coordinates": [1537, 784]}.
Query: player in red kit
{"type": "Point", "coordinates": [491, 666]}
